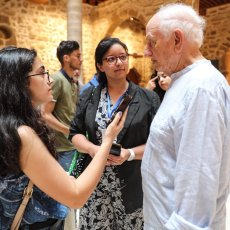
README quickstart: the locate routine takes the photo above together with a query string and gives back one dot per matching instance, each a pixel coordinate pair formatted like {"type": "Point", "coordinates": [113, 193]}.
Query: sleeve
{"type": "Point", "coordinates": [77, 125]}
{"type": "Point", "coordinates": [56, 87]}
{"type": "Point", "coordinates": [198, 138]}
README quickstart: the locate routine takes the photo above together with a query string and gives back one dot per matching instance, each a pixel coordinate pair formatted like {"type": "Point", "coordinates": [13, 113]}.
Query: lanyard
{"type": "Point", "coordinates": [109, 111]}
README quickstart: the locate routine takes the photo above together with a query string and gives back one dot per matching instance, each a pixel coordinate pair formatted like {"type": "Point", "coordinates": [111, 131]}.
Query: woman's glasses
{"type": "Point", "coordinates": [112, 60]}
{"type": "Point", "coordinates": [41, 74]}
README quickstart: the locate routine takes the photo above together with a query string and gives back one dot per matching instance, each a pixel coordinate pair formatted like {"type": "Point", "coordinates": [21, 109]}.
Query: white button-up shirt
{"type": "Point", "coordinates": [186, 164]}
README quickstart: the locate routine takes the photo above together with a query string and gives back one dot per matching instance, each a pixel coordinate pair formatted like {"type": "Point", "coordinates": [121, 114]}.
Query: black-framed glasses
{"type": "Point", "coordinates": [112, 60]}
{"type": "Point", "coordinates": [41, 74]}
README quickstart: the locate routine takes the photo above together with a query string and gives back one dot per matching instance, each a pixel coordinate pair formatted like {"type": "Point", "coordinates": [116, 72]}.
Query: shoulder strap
{"type": "Point", "coordinates": [19, 215]}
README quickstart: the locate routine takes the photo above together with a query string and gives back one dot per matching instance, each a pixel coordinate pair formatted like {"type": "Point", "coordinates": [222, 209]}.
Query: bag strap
{"type": "Point", "coordinates": [28, 191]}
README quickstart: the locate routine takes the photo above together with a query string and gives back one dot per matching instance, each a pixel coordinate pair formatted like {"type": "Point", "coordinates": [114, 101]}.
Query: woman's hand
{"type": "Point", "coordinates": [118, 160]}
{"type": "Point", "coordinates": [151, 85]}
{"type": "Point", "coordinates": [115, 126]}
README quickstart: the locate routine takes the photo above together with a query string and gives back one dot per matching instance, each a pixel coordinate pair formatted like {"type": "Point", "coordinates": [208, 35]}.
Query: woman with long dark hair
{"type": "Point", "coordinates": [27, 151]}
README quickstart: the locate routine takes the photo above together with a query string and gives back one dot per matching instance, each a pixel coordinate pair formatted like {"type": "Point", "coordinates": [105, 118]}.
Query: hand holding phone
{"type": "Point", "coordinates": [122, 106]}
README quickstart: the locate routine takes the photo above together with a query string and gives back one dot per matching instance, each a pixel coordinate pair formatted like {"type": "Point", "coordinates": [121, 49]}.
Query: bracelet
{"type": "Point", "coordinates": [132, 155]}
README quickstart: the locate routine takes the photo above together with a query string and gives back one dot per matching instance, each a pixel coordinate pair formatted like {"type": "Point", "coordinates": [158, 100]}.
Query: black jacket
{"type": "Point", "coordinates": [141, 111]}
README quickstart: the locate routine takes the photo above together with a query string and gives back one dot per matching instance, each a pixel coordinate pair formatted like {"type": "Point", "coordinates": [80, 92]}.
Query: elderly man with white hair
{"type": "Point", "coordinates": [186, 164]}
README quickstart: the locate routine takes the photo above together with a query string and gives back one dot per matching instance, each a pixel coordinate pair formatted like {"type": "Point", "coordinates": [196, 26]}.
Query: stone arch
{"type": "Point", "coordinates": [124, 15]}
{"type": "Point", "coordinates": [128, 25]}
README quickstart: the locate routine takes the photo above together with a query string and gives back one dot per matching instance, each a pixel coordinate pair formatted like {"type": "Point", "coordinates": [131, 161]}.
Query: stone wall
{"type": "Point", "coordinates": [39, 26]}
{"type": "Point", "coordinates": [42, 26]}
{"type": "Point", "coordinates": [217, 37]}
{"type": "Point", "coordinates": [113, 18]}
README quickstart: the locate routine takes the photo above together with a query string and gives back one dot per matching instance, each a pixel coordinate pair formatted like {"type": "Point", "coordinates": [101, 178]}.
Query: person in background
{"type": "Point", "coordinates": [93, 82]}
{"type": "Point", "coordinates": [76, 76]}
{"type": "Point", "coordinates": [159, 84]}
{"type": "Point", "coordinates": [27, 150]}
{"type": "Point", "coordinates": [59, 112]}
{"type": "Point", "coordinates": [186, 163]}
{"type": "Point", "coordinates": [118, 199]}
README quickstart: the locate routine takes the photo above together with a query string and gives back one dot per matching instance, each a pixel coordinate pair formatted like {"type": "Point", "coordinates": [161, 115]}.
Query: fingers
{"type": "Point", "coordinates": [155, 78]}
{"type": "Point", "coordinates": [112, 160]}
{"type": "Point", "coordinates": [151, 83]}
{"type": "Point", "coordinates": [119, 119]}
{"type": "Point", "coordinates": [124, 115]}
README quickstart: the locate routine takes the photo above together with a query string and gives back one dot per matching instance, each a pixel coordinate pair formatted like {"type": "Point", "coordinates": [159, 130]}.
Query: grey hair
{"type": "Point", "coordinates": [184, 17]}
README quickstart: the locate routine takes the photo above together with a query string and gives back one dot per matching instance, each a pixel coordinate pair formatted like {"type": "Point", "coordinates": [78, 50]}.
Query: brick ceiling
{"type": "Point", "coordinates": [204, 4]}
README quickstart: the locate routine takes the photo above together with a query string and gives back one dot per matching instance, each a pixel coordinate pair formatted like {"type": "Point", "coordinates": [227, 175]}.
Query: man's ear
{"type": "Point", "coordinates": [178, 39]}
{"type": "Point", "coordinates": [66, 58]}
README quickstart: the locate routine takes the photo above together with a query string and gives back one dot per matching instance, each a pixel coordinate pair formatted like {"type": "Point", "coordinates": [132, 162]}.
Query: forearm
{"type": "Point", "coordinates": [55, 124]}
{"type": "Point", "coordinates": [139, 151]}
{"type": "Point", "coordinates": [93, 172]}
{"type": "Point", "coordinates": [82, 144]}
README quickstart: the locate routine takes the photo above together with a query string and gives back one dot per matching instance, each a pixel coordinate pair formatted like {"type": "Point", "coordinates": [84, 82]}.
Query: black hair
{"type": "Point", "coordinates": [102, 48]}
{"type": "Point", "coordinates": [160, 92]}
{"type": "Point", "coordinates": [66, 48]}
{"type": "Point", "coordinates": [16, 108]}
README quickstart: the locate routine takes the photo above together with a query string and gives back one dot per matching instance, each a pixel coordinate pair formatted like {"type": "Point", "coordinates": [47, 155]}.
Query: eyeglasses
{"type": "Point", "coordinates": [112, 60]}
{"type": "Point", "coordinates": [43, 74]}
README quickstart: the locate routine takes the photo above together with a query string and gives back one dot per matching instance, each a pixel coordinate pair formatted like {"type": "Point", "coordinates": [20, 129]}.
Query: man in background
{"type": "Point", "coordinates": [186, 164]}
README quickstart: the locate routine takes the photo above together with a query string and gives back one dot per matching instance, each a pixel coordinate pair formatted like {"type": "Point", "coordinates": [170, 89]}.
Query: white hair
{"type": "Point", "coordinates": [184, 17]}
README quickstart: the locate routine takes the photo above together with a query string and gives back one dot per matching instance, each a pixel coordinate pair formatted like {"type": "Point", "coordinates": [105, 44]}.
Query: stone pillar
{"type": "Point", "coordinates": [74, 20]}
{"type": "Point", "coordinates": [193, 3]}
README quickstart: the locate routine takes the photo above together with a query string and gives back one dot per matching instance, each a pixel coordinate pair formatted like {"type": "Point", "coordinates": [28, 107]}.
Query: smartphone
{"type": "Point", "coordinates": [122, 106]}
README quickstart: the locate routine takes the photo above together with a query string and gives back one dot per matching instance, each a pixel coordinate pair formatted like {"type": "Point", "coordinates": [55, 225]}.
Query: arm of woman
{"type": "Point", "coordinates": [46, 173]}
{"type": "Point", "coordinates": [83, 145]}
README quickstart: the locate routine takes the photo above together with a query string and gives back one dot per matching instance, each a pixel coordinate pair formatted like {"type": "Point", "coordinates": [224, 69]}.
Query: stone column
{"type": "Point", "coordinates": [74, 25]}
{"type": "Point", "coordinates": [74, 20]}
{"type": "Point", "coordinates": [193, 3]}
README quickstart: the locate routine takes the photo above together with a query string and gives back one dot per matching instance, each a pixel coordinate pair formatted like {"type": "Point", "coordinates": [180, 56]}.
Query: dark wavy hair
{"type": "Point", "coordinates": [102, 48]}
{"type": "Point", "coordinates": [66, 48]}
{"type": "Point", "coordinates": [16, 107]}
